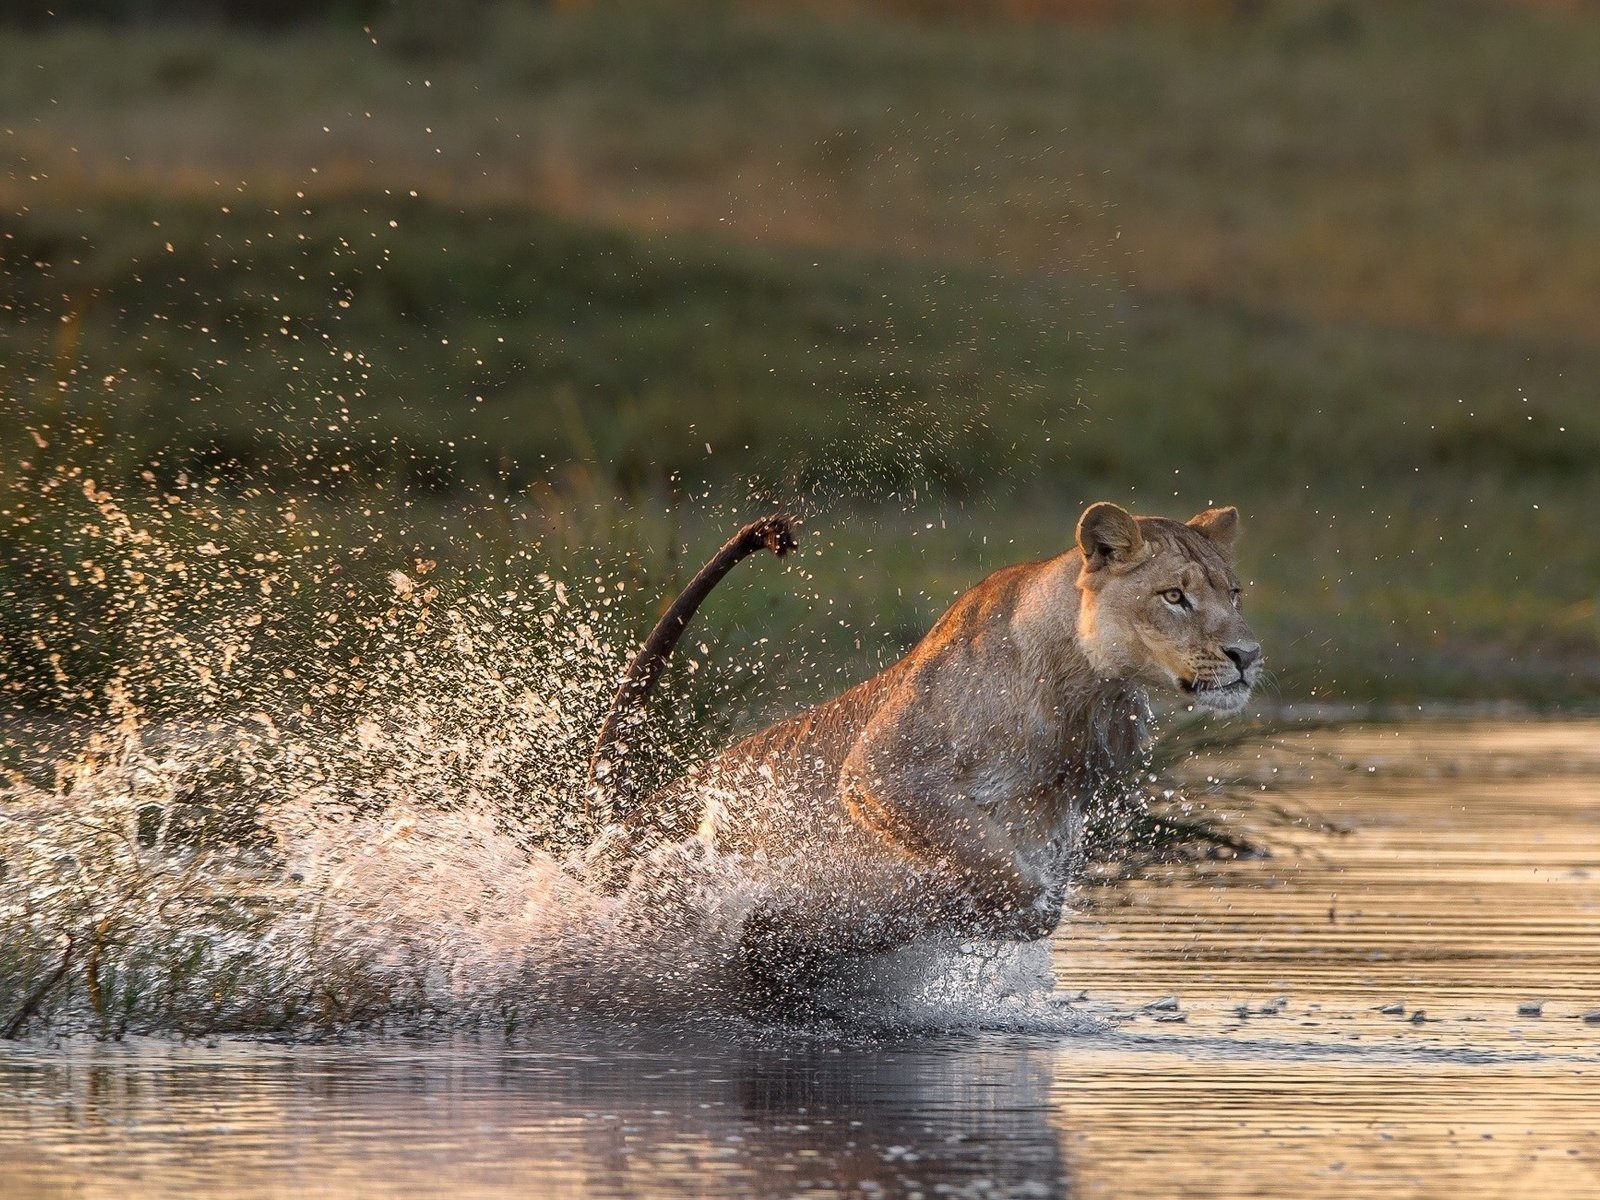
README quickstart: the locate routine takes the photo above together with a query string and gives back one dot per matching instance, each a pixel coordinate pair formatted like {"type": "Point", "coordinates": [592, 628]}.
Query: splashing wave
{"type": "Point", "coordinates": [368, 834]}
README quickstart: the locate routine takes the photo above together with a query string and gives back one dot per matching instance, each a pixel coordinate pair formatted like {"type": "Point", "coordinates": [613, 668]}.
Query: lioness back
{"type": "Point", "coordinates": [782, 784]}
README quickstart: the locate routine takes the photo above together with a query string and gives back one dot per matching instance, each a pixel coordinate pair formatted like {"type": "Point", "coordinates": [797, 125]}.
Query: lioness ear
{"type": "Point", "coordinates": [1107, 534]}
{"type": "Point", "coordinates": [1221, 525]}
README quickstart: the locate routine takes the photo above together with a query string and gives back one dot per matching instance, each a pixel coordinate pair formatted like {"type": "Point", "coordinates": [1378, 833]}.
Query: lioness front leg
{"type": "Point", "coordinates": [971, 882]}
{"type": "Point", "coordinates": [993, 900]}
{"type": "Point", "coordinates": [819, 921]}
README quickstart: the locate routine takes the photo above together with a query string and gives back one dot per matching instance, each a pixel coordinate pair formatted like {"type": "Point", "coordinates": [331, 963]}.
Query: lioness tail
{"type": "Point", "coordinates": [609, 775]}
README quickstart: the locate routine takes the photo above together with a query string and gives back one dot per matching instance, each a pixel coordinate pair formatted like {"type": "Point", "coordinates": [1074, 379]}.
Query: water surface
{"type": "Point", "coordinates": [1468, 887]}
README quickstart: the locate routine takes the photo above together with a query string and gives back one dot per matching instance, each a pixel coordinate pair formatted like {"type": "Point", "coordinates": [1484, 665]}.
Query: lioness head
{"type": "Point", "coordinates": [1160, 604]}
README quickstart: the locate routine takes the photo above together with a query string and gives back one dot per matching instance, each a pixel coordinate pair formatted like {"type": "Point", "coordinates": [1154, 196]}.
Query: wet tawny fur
{"type": "Point", "coordinates": [957, 773]}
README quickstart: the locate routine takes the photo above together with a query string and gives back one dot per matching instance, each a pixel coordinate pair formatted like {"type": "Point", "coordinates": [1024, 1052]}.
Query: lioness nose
{"type": "Point", "coordinates": [1244, 655]}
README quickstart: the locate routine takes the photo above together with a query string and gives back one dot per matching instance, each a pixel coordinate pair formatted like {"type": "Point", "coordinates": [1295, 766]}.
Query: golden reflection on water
{"type": "Point", "coordinates": [1469, 886]}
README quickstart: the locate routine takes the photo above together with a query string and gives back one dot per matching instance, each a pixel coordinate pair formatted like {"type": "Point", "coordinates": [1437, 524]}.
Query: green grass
{"type": "Point", "coordinates": [935, 285]}
{"type": "Point", "coordinates": [1414, 163]}
{"type": "Point", "coordinates": [1388, 539]}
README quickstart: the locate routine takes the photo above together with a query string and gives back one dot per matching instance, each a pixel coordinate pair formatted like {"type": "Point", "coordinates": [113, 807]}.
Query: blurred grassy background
{"type": "Point", "coordinates": [517, 287]}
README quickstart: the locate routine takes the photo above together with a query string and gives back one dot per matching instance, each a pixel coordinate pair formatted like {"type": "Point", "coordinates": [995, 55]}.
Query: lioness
{"type": "Point", "coordinates": [942, 793]}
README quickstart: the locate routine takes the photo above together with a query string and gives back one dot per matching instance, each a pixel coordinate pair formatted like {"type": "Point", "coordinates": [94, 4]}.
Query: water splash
{"type": "Point", "coordinates": [412, 916]}
{"type": "Point", "coordinates": [243, 830]}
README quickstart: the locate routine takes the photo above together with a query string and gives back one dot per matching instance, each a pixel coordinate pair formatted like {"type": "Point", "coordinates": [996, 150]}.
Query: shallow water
{"type": "Point", "coordinates": [1469, 885]}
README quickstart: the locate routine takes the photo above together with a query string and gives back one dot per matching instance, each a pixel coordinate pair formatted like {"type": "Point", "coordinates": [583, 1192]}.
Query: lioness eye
{"type": "Point", "coordinates": [1237, 597]}
{"type": "Point", "coordinates": [1173, 595]}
